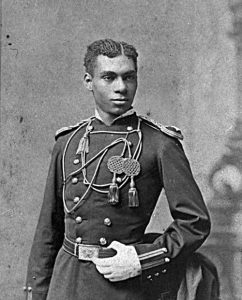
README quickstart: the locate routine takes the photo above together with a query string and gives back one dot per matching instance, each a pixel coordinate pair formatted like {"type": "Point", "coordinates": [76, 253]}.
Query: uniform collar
{"type": "Point", "coordinates": [127, 113]}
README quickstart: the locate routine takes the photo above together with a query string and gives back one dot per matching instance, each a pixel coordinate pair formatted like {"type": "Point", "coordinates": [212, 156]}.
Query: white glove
{"type": "Point", "coordinates": [125, 264]}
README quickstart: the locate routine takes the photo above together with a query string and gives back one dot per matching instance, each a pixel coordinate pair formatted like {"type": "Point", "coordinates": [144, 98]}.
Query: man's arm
{"type": "Point", "coordinates": [187, 232]}
{"type": "Point", "coordinates": [191, 223]}
{"type": "Point", "coordinates": [49, 234]}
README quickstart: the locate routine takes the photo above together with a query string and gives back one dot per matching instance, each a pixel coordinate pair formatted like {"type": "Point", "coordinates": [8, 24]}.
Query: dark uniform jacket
{"type": "Point", "coordinates": [85, 216]}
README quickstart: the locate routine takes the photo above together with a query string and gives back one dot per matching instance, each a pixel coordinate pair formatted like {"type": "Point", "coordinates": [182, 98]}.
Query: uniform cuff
{"type": "Point", "coordinates": [151, 256]}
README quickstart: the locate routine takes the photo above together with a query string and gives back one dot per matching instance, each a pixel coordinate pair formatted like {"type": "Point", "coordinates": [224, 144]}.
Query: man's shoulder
{"type": "Point", "coordinates": [71, 128]}
{"type": "Point", "coordinates": [167, 130]}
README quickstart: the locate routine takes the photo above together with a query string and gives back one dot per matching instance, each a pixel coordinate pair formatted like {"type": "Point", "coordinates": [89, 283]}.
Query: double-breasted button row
{"type": "Point", "coordinates": [29, 289]}
{"type": "Point", "coordinates": [107, 222]}
{"type": "Point", "coordinates": [74, 180]}
{"type": "Point", "coordinates": [76, 161]}
{"type": "Point", "coordinates": [78, 240]}
{"type": "Point", "coordinates": [103, 241]}
{"type": "Point", "coordinates": [90, 128]}
{"type": "Point", "coordinates": [119, 179]}
{"type": "Point", "coordinates": [78, 219]}
{"type": "Point", "coordinates": [76, 199]}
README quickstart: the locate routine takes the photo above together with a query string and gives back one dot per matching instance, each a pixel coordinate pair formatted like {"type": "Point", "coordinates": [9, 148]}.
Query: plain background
{"type": "Point", "coordinates": [187, 78]}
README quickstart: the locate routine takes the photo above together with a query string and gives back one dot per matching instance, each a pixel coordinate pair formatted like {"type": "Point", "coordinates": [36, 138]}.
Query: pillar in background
{"type": "Point", "coordinates": [225, 243]}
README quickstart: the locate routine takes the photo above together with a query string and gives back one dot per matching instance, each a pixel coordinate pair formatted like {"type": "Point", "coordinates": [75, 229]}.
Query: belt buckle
{"type": "Point", "coordinates": [87, 253]}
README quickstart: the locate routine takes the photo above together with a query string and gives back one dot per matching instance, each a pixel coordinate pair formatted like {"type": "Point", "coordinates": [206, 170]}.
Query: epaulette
{"type": "Point", "coordinates": [68, 129]}
{"type": "Point", "coordinates": [169, 130]}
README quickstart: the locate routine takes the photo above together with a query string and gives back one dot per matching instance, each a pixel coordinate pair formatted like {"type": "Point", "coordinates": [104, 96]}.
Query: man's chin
{"type": "Point", "coordinates": [120, 111]}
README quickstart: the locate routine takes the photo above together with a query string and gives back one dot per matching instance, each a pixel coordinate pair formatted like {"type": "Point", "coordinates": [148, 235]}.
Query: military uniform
{"type": "Point", "coordinates": [79, 208]}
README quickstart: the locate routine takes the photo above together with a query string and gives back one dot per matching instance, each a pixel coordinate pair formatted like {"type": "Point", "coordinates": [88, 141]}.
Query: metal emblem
{"type": "Point", "coordinates": [131, 167]}
{"type": "Point", "coordinates": [115, 164]}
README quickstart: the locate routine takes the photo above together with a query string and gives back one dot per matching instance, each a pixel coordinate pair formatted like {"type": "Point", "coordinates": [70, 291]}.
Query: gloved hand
{"type": "Point", "coordinates": [125, 264]}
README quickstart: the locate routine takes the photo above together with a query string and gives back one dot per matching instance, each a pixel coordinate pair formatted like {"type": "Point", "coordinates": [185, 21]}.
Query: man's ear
{"type": "Point", "coordinates": [88, 81]}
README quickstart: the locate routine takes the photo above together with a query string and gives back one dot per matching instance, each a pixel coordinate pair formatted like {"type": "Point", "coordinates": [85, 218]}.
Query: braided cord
{"type": "Point", "coordinates": [101, 154]}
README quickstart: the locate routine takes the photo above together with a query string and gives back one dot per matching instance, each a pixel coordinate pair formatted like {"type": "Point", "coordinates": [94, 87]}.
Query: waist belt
{"type": "Point", "coordinates": [87, 252]}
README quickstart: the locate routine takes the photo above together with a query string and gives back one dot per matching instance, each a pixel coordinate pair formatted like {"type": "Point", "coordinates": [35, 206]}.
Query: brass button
{"type": "Point", "coordinates": [74, 180]}
{"type": "Point", "coordinates": [167, 259]}
{"type": "Point", "coordinates": [76, 161]}
{"type": "Point", "coordinates": [157, 274]}
{"type": "Point", "coordinates": [78, 220]}
{"type": "Point", "coordinates": [103, 241]}
{"type": "Point", "coordinates": [78, 240]}
{"type": "Point", "coordinates": [129, 128]}
{"type": "Point", "coordinates": [76, 199]}
{"type": "Point", "coordinates": [90, 128]}
{"type": "Point", "coordinates": [29, 289]}
{"type": "Point", "coordinates": [107, 222]}
{"type": "Point", "coordinates": [164, 271]}
{"type": "Point", "coordinates": [119, 179]}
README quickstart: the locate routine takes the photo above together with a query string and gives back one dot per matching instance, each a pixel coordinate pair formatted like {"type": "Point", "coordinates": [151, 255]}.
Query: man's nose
{"type": "Point", "coordinates": [120, 86]}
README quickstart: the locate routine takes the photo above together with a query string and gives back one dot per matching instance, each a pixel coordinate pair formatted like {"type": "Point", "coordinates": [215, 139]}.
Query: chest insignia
{"type": "Point", "coordinates": [125, 164]}
{"type": "Point", "coordinates": [130, 167]}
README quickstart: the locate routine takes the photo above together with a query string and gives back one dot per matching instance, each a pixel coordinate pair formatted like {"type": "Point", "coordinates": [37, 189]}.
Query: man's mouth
{"type": "Point", "coordinates": [119, 100]}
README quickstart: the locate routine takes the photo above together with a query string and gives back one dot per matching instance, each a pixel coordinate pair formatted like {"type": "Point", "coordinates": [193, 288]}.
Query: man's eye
{"type": "Point", "coordinates": [108, 78]}
{"type": "Point", "coordinates": [130, 77]}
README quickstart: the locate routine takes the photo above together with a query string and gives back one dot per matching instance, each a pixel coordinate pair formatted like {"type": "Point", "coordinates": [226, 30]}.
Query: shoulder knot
{"type": "Point", "coordinates": [67, 129]}
{"type": "Point", "coordinates": [172, 131]}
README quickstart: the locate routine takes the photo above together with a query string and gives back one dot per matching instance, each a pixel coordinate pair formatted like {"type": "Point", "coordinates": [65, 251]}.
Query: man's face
{"type": "Point", "coordinates": [113, 84]}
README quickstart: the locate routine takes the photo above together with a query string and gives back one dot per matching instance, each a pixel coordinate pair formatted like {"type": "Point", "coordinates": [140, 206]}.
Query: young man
{"type": "Point", "coordinates": [105, 177]}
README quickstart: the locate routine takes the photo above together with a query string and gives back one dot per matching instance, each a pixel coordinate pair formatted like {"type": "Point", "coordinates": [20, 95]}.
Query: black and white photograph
{"type": "Point", "coordinates": [121, 150]}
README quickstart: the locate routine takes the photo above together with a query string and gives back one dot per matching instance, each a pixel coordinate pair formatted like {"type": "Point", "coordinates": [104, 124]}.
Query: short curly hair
{"type": "Point", "coordinates": [109, 48]}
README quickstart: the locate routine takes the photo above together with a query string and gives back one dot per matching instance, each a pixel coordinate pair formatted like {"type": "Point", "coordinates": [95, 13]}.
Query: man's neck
{"type": "Point", "coordinates": [109, 119]}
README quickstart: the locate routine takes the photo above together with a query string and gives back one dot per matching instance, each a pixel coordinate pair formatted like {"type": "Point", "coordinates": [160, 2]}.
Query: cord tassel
{"type": "Point", "coordinates": [133, 195]}
{"type": "Point", "coordinates": [83, 146]}
{"type": "Point", "coordinates": [113, 194]}
{"type": "Point", "coordinates": [86, 144]}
